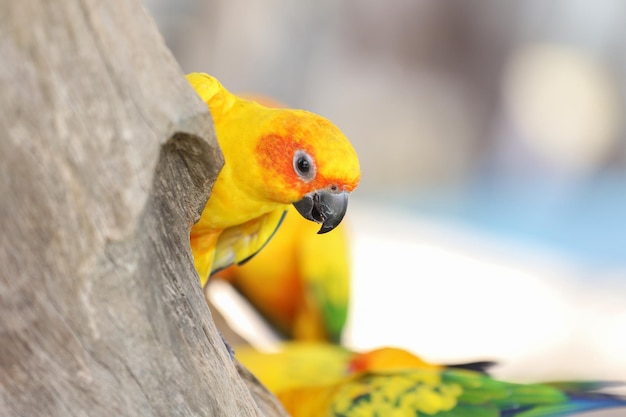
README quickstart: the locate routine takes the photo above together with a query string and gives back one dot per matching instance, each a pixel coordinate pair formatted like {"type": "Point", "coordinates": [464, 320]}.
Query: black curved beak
{"type": "Point", "coordinates": [325, 207]}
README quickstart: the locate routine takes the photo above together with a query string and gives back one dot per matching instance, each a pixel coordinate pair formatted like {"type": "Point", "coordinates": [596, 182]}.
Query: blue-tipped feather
{"type": "Point", "coordinates": [578, 403]}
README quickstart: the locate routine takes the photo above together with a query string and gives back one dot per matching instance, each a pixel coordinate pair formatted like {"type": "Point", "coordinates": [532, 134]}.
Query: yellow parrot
{"type": "Point", "coordinates": [273, 158]}
{"type": "Point", "coordinates": [393, 382]}
{"type": "Point", "coordinates": [300, 282]}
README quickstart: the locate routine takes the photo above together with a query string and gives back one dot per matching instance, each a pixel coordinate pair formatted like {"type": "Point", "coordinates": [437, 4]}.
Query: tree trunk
{"type": "Point", "coordinates": [106, 160]}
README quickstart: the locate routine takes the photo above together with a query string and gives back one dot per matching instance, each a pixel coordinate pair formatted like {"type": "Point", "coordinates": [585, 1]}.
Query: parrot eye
{"type": "Point", "coordinates": [303, 165]}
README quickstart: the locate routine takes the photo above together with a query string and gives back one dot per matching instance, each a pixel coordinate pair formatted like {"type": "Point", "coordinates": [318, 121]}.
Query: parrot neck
{"type": "Point", "coordinates": [230, 206]}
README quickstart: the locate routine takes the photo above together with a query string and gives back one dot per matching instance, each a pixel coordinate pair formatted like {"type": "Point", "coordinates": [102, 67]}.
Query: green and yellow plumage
{"type": "Point", "coordinates": [393, 382]}
{"type": "Point", "coordinates": [447, 393]}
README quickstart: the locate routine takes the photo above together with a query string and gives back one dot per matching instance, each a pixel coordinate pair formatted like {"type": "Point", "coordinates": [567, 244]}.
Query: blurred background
{"type": "Point", "coordinates": [491, 217]}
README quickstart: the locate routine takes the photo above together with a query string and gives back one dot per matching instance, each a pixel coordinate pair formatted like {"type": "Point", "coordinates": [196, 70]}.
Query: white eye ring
{"type": "Point", "coordinates": [304, 165]}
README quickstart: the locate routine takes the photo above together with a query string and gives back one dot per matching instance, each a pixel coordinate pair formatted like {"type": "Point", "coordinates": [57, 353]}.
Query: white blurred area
{"type": "Point", "coordinates": [522, 99]}
{"type": "Point", "coordinates": [451, 294]}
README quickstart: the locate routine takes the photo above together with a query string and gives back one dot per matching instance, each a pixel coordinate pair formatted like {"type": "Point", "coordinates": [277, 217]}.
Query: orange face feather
{"type": "Point", "coordinates": [275, 153]}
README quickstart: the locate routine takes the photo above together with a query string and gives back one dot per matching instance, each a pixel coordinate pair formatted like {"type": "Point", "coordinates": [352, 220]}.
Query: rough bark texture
{"type": "Point", "coordinates": [106, 159]}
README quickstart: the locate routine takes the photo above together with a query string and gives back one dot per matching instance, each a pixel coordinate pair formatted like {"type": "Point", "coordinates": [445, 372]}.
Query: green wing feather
{"type": "Point", "coordinates": [459, 393]}
{"type": "Point", "coordinates": [324, 262]}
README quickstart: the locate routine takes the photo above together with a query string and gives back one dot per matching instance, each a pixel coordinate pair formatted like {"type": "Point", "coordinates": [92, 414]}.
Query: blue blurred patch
{"type": "Point", "coordinates": [586, 222]}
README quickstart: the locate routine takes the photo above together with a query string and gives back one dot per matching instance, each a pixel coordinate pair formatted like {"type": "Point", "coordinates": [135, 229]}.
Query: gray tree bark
{"type": "Point", "coordinates": [107, 157]}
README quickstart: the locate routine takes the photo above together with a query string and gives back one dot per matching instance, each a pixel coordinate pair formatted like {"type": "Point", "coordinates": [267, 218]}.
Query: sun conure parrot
{"type": "Point", "coordinates": [300, 282]}
{"type": "Point", "coordinates": [273, 158]}
{"type": "Point", "coordinates": [393, 382]}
